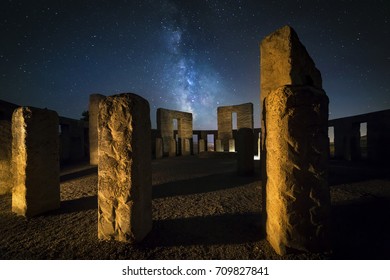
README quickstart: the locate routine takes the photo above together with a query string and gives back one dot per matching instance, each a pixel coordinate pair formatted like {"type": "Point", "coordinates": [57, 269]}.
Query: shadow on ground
{"type": "Point", "coordinates": [209, 230]}
{"type": "Point", "coordinates": [204, 184]}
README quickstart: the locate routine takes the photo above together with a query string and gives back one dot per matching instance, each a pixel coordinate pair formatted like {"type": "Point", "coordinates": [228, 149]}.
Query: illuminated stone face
{"type": "Point", "coordinates": [294, 146]}
{"type": "Point", "coordinates": [5, 157]}
{"type": "Point", "coordinates": [35, 161]}
{"type": "Point", "coordinates": [297, 192]}
{"type": "Point", "coordinates": [124, 169]}
{"type": "Point", "coordinates": [94, 100]}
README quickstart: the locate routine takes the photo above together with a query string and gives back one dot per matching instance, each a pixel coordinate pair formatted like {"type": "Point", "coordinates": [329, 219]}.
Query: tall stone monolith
{"type": "Point", "coordinates": [94, 100]}
{"type": "Point", "coordinates": [159, 148]}
{"type": "Point", "coordinates": [124, 169]}
{"type": "Point", "coordinates": [294, 146]}
{"type": "Point", "coordinates": [35, 161]}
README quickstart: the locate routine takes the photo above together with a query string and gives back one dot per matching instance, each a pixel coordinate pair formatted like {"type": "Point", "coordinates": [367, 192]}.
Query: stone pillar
{"type": "Point", "coordinates": [172, 147]}
{"type": "Point", "coordinates": [232, 146]}
{"type": "Point", "coordinates": [5, 157]}
{"type": "Point", "coordinates": [124, 169]}
{"type": "Point", "coordinates": [94, 100]}
{"type": "Point", "coordinates": [159, 148]}
{"type": "Point", "coordinates": [186, 147]}
{"type": "Point", "coordinates": [218, 145]}
{"type": "Point", "coordinates": [245, 152]}
{"type": "Point", "coordinates": [35, 161]}
{"type": "Point", "coordinates": [201, 146]}
{"type": "Point", "coordinates": [297, 192]}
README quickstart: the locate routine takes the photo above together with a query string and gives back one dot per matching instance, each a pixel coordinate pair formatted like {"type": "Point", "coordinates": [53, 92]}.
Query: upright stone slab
{"type": "Point", "coordinates": [297, 192]}
{"type": "Point", "coordinates": [232, 145]}
{"type": "Point", "coordinates": [35, 161]}
{"type": "Point", "coordinates": [159, 148]}
{"type": "Point", "coordinates": [218, 145]}
{"type": "Point", "coordinates": [186, 148]}
{"type": "Point", "coordinates": [201, 146]}
{"type": "Point", "coordinates": [5, 157]}
{"type": "Point", "coordinates": [172, 147]}
{"type": "Point", "coordinates": [125, 185]}
{"type": "Point", "coordinates": [293, 146]}
{"type": "Point", "coordinates": [94, 100]}
{"type": "Point", "coordinates": [245, 152]}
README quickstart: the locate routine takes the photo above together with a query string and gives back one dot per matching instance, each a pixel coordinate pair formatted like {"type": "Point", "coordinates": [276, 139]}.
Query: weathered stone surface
{"type": "Point", "coordinates": [225, 126]}
{"type": "Point", "coordinates": [201, 145]}
{"type": "Point", "coordinates": [124, 169]}
{"type": "Point", "coordinates": [245, 164]}
{"type": "Point", "coordinates": [297, 192]}
{"type": "Point", "coordinates": [6, 111]}
{"type": "Point", "coordinates": [94, 100]}
{"type": "Point", "coordinates": [5, 157]}
{"type": "Point", "coordinates": [232, 146]}
{"type": "Point", "coordinates": [35, 161]}
{"type": "Point", "coordinates": [165, 119]}
{"type": "Point", "coordinates": [283, 61]}
{"type": "Point", "coordinates": [159, 148]}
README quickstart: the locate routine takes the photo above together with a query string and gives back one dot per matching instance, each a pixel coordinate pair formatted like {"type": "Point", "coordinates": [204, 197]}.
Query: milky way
{"type": "Point", "coordinates": [186, 55]}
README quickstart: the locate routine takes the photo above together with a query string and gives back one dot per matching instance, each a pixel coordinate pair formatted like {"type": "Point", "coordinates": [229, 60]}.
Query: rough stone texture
{"type": "Point", "coordinates": [165, 119]}
{"type": "Point", "coordinates": [245, 160]}
{"type": "Point", "coordinates": [6, 110]}
{"type": "Point", "coordinates": [94, 100]}
{"type": "Point", "coordinates": [218, 145]}
{"type": "Point", "coordinates": [159, 148]}
{"type": "Point", "coordinates": [297, 192]}
{"type": "Point", "coordinates": [225, 125]}
{"type": "Point", "coordinates": [5, 157]}
{"type": "Point", "coordinates": [232, 145]}
{"type": "Point", "coordinates": [283, 61]}
{"type": "Point", "coordinates": [35, 161]}
{"type": "Point", "coordinates": [201, 145]}
{"type": "Point", "coordinates": [124, 169]}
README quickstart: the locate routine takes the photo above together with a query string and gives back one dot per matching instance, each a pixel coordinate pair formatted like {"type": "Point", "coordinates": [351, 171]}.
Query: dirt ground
{"type": "Point", "coordinates": [201, 210]}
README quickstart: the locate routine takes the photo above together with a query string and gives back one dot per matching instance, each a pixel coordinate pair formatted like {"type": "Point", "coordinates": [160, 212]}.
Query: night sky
{"type": "Point", "coordinates": [186, 55]}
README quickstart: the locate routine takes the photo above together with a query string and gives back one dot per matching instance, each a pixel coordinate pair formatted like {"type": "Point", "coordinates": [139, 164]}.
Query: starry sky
{"type": "Point", "coordinates": [183, 55]}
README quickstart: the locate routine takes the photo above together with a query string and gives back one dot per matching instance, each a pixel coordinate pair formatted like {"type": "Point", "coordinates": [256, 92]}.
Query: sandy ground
{"type": "Point", "coordinates": [201, 210]}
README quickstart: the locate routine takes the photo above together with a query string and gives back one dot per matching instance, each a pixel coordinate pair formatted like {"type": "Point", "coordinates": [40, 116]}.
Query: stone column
{"type": "Point", "coordinates": [186, 147]}
{"type": "Point", "coordinates": [218, 145]}
{"type": "Point", "coordinates": [232, 146]}
{"type": "Point", "coordinates": [245, 152]}
{"type": "Point", "coordinates": [94, 100]}
{"type": "Point", "coordinates": [297, 192]}
{"type": "Point", "coordinates": [201, 146]}
{"type": "Point", "coordinates": [172, 147]}
{"type": "Point", "coordinates": [124, 169]}
{"type": "Point", "coordinates": [35, 161]}
{"type": "Point", "coordinates": [159, 148]}
{"type": "Point", "coordinates": [5, 157]}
